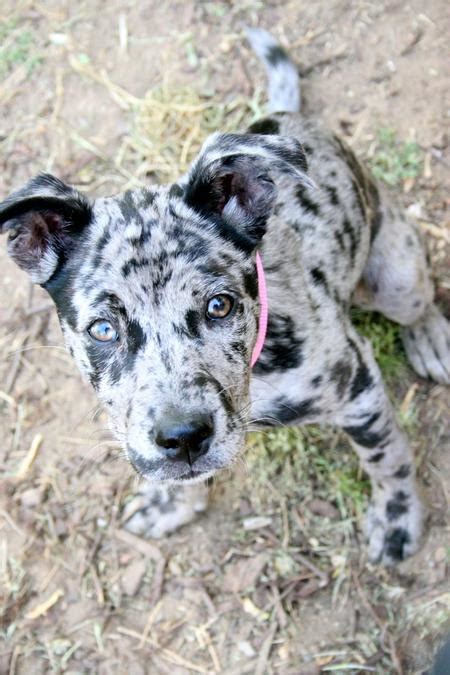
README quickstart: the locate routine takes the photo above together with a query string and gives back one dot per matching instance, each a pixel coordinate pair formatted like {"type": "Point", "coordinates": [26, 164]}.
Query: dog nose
{"type": "Point", "coordinates": [185, 440]}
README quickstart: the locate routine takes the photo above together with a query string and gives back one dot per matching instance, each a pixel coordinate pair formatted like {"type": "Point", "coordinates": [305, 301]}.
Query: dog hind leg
{"type": "Point", "coordinates": [396, 282]}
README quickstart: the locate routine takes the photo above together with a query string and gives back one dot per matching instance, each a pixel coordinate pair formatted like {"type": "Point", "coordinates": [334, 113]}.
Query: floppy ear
{"type": "Point", "coordinates": [44, 219]}
{"type": "Point", "coordinates": [233, 178]}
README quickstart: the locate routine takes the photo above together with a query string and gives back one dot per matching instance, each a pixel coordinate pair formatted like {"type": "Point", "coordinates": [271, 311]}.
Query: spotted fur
{"type": "Point", "coordinates": [149, 261]}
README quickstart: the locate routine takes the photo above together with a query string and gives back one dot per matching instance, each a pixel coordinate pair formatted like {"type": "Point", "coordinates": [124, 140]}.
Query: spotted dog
{"type": "Point", "coordinates": [157, 294]}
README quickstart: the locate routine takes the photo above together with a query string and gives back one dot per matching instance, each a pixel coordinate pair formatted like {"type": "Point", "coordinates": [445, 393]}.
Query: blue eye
{"type": "Point", "coordinates": [219, 306]}
{"type": "Point", "coordinates": [103, 331]}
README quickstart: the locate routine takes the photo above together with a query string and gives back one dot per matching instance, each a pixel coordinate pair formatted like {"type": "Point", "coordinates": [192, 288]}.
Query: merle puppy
{"type": "Point", "coordinates": [159, 300]}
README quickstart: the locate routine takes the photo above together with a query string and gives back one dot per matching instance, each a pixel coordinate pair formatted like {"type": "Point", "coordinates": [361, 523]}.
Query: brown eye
{"type": "Point", "coordinates": [219, 306]}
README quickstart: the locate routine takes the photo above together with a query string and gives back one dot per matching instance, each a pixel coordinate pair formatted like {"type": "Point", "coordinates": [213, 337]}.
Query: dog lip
{"type": "Point", "coordinates": [191, 474]}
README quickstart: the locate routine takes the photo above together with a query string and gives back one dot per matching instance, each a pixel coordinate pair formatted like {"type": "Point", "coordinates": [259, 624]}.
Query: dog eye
{"type": "Point", "coordinates": [103, 331]}
{"type": "Point", "coordinates": [219, 306]}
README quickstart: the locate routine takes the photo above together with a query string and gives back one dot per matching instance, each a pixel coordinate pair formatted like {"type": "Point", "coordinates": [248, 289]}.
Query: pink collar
{"type": "Point", "coordinates": [263, 312]}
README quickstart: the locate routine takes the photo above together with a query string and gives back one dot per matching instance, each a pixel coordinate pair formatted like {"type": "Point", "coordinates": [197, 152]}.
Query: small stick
{"type": "Point", "coordinates": [29, 458]}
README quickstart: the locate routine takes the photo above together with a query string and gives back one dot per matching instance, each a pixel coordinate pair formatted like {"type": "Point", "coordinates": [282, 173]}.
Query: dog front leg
{"type": "Point", "coordinates": [395, 515]}
{"type": "Point", "coordinates": [157, 509]}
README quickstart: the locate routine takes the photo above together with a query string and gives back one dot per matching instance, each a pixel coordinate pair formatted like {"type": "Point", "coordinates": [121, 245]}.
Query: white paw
{"type": "Point", "coordinates": [427, 344]}
{"type": "Point", "coordinates": [394, 527]}
{"type": "Point", "coordinates": [157, 510]}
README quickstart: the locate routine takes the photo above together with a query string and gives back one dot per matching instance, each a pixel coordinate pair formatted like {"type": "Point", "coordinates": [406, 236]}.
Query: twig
{"type": "Point", "coordinates": [265, 649]}
{"type": "Point", "coordinates": [415, 40]}
{"type": "Point", "coordinates": [309, 565]}
{"type": "Point", "coordinates": [307, 70]}
{"type": "Point", "coordinates": [167, 654]}
{"type": "Point", "coordinates": [382, 625]}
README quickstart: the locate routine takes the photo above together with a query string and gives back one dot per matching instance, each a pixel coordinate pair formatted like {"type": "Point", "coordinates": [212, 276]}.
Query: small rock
{"type": "Point", "coordinates": [245, 647]}
{"type": "Point", "coordinates": [256, 522]}
{"type": "Point", "coordinates": [320, 507]}
{"type": "Point", "coordinates": [415, 210]}
{"type": "Point", "coordinates": [31, 497]}
{"type": "Point", "coordinates": [132, 577]}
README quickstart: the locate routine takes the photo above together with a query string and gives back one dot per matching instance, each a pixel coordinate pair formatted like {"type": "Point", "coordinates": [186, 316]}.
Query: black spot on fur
{"type": "Point", "coordinates": [176, 190]}
{"type": "Point", "coordinates": [276, 55]}
{"type": "Point", "coordinates": [60, 290]}
{"type": "Point", "coordinates": [143, 465]}
{"type": "Point", "coordinates": [192, 319]}
{"type": "Point", "coordinates": [377, 457]}
{"type": "Point", "coordinates": [222, 392]}
{"type": "Point", "coordinates": [363, 435]}
{"type": "Point", "coordinates": [285, 411]}
{"type": "Point", "coordinates": [251, 284]}
{"type": "Point", "coordinates": [282, 348]}
{"type": "Point", "coordinates": [332, 193]}
{"type": "Point", "coordinates": [239, 348]}
{"type": "Point", "coordinates": [349, 231]}
{"type": "Point", "coordinates": [128, 209]}
{"type": "Point", "coordinates": [136, 336]}
{"type": "Point", "coordinates": [99, 355]}
{"type": "Point", "coordinates": [115, 370]}
{"type": "Point", "coordinates": [147, 198]}
{"type": "Point", "coordinates": [395, 543]}
{"type": "Point", "coordinates": [341, 373]}
{"type": "Point", "coordinates": [397, 506]}
{"type": "Point", "coordinates": [103, 240]}
{"type": "Point", "coordinates": [316, 381]}
{"type": "Point", "coordinates": [403, 471]}
{"type": "Point", "coordinates": [319, 278]}
{"type": "Point", "coordinates": [305, 201]}
{"type": "Point", "coordinates": [266, 126]}
{"type": "Point", "coordinates": [340, 239]}
{"type": "Point", "coordinates": [363, 380]}
{"type": "Point", "coordinates": [364, 188]}
{"type": "Point", "coordinates": [132, 265]}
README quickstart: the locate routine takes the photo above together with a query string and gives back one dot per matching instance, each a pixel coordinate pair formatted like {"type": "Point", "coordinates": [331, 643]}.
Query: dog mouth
{"type": "Point", "coordinates": [189, 475]}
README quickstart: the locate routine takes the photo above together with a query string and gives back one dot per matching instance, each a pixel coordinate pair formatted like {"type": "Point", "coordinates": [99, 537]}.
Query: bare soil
{"type": "Point", "coordinates": [294, 595]}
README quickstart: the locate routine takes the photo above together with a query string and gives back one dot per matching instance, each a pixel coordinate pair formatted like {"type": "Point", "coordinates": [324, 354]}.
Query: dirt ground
{"type": "Point", "coordinates": [273, 579]}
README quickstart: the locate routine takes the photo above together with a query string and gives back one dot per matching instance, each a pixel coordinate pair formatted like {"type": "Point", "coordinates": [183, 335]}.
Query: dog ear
{"type": "Point", "coordinates": [233, 178]}
{"type": "Point", "coordinates": [44, 219]}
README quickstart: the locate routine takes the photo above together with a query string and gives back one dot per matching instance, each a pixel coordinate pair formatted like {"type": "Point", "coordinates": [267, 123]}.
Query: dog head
{"type": "Point", "coordinates": [157, 295]}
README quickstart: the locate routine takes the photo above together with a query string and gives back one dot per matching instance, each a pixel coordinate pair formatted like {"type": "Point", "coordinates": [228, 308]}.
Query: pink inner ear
{"type": "Point", "coordinates": [35, 242]}
{"type": "Point", "coordinates": [40, 226]}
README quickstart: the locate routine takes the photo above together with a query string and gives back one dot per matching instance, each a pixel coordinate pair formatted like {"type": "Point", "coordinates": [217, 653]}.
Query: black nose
{"type": "Point", "coordinates": [185, 440]}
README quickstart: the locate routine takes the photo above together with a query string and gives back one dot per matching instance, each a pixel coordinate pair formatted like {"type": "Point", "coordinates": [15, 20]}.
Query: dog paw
{"type": "Point", "coordinates": [157, 510]}
{"type": "Point", "coordinates": [427, 344]}
{"type": "Point", "coordinates": [394, 527]}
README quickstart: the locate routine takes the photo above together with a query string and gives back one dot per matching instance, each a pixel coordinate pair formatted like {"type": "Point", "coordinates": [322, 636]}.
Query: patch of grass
{"type": "Point", "coordinates": [171, 124]}
{"type": "Point", "coordinates": [394, 161]}
{"type": "Point", "coordinates": [305, 463]}
{"type": "Point", "coordinates": [6, 27]}
{"type": "Point", "coordinates": [384, 336]}
{"type": "Point", "coordinates": [19, 47]}
{"type": "Point", "coordinates": [316, 462]}
{"type": "Point", "coordinates": [14, 592]}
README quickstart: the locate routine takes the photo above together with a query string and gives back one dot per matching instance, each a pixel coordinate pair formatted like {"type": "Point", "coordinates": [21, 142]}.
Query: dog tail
{"type": "Point", "coordinates": [283, 79]}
